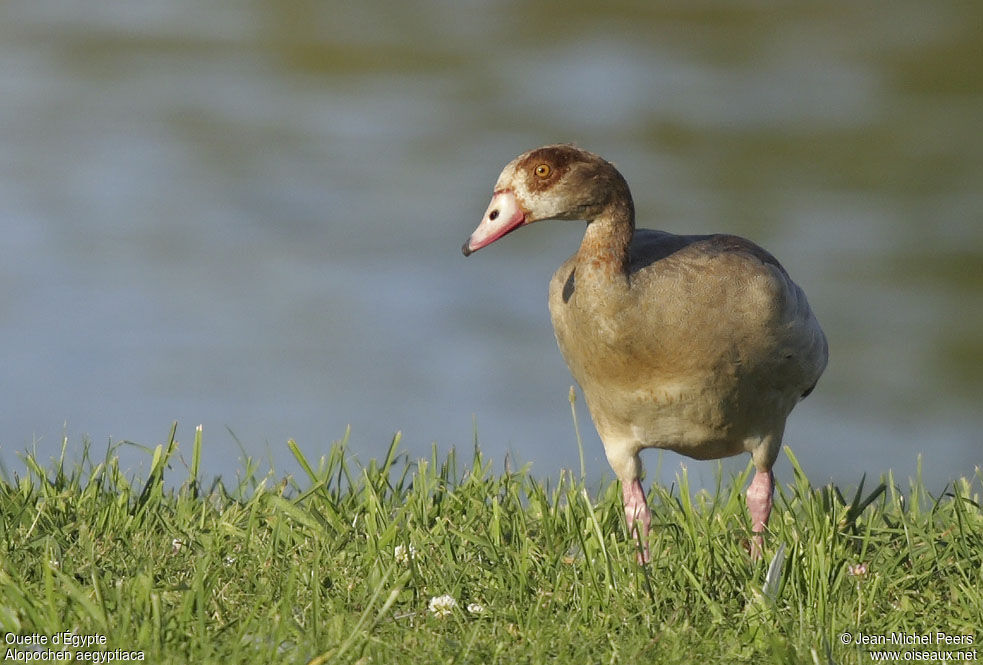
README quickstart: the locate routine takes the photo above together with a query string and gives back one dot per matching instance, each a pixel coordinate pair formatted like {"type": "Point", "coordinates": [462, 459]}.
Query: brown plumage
{"type": "Point", "coordinates": [699, 344]}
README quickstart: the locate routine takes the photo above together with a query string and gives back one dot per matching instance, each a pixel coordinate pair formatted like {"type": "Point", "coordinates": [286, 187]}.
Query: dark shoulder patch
{"type": "Point", "coordinates": [569, 285]}
{"type": "Point", "coordinates": [648, 246]}
{"type": "Point", "coordinates": [725, 243]}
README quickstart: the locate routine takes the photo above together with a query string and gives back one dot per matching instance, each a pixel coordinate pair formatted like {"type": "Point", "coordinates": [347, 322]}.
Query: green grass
{"type": "Point", "coordinates": [304, 570]}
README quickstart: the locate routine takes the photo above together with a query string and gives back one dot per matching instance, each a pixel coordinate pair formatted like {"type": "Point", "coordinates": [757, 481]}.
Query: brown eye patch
{"type": "Point", "coordinates": [545, 166]}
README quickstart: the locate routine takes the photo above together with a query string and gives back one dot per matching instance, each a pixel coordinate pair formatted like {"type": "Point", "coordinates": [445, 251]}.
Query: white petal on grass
{"type": "Point", "coordinates": [475, 608]}
{"type": "Point", "coordinates": [403, 555]}
{"type": "Point", "coordinates": [857, 570]}
{"type": "Point", "coordinates": [442, 606]}
{"type": "Point", "coordinates": [774, 576]}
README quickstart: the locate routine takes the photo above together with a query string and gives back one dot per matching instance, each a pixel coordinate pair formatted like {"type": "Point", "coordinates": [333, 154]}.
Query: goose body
{"type": "Point", "coordinates": [700, 344]}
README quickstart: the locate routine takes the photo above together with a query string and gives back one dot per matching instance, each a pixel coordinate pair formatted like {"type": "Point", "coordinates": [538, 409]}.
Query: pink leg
{"type": "Point", "coordinates": [759, 503]}
{"type": "Point", "coordinates": [637, 509]}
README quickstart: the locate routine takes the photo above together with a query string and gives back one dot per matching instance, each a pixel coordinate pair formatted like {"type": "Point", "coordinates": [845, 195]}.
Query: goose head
{"type": "Point", "coordinates": [552, 182]}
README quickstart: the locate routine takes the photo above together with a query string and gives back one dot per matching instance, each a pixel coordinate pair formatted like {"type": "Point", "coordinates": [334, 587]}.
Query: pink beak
{"type": "Point", "coordinates": [503, 215]}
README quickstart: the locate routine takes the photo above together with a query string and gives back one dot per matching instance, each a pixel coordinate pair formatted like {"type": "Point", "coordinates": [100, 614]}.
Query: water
{"type": "Point", "coordinates": [248, 215]}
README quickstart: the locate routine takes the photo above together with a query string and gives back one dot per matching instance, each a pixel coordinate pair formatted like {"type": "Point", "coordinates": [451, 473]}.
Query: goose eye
{"type": "Point", "coordinates": [543, 170]}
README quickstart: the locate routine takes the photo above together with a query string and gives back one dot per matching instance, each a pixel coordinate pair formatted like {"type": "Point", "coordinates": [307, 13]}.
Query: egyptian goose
{"type": "Point", "coordinates": [701, 344]}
